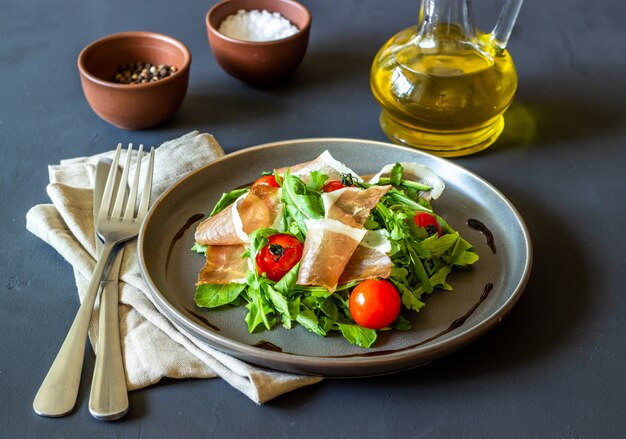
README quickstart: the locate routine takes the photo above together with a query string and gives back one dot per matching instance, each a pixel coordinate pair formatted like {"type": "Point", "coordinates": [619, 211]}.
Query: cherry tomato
{"type": "Point", "coordinates": [266, 180]}
{"type": "Point", "coordinates": [332, 185]}
{"type": "Point", "coordinates": [280, 255]}
{"type": "Point", "coordinates": [429, 222]}
{"type": "Point", "coordinates": [374, 304]}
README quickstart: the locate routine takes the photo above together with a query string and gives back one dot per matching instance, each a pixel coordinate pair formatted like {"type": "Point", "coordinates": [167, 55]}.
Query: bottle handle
{"type": "Point", "coordinates": [502, 30]}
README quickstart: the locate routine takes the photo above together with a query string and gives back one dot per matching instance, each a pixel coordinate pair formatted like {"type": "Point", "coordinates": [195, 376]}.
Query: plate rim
{"type": "Point", "coordinates": [301, 363]}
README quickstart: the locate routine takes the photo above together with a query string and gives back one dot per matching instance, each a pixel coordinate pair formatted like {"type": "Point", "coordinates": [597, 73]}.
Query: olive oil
{"type": "Point", "coordinates": [443, 91]}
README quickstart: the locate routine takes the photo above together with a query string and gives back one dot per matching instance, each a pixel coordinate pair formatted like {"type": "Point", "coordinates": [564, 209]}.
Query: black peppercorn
{"type": "Point", "coordinates": [142, 73]}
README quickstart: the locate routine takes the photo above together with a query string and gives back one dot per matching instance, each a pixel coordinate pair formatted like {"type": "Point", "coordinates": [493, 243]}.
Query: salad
{"type": "Point", "coordinates": [315, 244]}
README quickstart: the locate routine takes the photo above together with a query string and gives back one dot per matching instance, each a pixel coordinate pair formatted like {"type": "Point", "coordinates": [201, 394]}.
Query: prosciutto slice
{"type": "Point", "coordinates": [224, 265]}
{"type": "Point", "coordinates": [369, 260]}
{"type": "Point", "coordinates": [416, 172]}
{"type": "Point", "coordinates": [327, 249]}
{"type": "Point", "coordinates": [258, 208]}
{"type": "Point", "coordinates": [325, 163]}
{"type": "Point", "coordinates": [352, 206]}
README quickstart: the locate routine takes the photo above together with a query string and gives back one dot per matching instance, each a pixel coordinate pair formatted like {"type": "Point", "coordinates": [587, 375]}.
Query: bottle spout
{"type": "Point", "coordinates": [502, 31]}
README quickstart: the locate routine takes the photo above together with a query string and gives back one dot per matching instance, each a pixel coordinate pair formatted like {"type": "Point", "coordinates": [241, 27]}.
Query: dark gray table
{"type": "Point", "coordinates": [554, 368]}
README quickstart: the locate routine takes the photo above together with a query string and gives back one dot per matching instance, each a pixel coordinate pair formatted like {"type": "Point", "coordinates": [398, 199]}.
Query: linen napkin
{"type": "Point", "coordinates": [152, 346]}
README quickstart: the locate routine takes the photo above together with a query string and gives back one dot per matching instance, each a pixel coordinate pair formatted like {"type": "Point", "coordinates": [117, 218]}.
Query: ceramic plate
{"type": "Point", "coordinates": [449, 321]}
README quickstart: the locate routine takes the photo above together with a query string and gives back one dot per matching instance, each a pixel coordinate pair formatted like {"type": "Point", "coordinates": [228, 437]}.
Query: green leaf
{"type": "Point", "coordinates": [287, 284]}
{"type": "Point", "coordinates": [399, 272]}
{"type": "Point", "coordinates": [419, 249]}
{"type": "Point", "coordinates": [438, 246]}
{"type": "Point", "coordinates": [227, 199]}
{"type": "Point", "coordinates": [358, 335]}
{"type": "Point", "coordinates": [287, 308]}
{"type": "Point", "coordinates": [371, 224]}
{"type": "Point", "coordinates": [301, 203]}
{"type": "Point", "coordinates": [419, 271]}
{"type": "Point", "coordinates": [308, 319]}
{"type": "Point", "coordinates": [328, 307]}
{"type": "Point", "coordinates": [316, 181]}
{"type": "Point", "coordinates": [400, 197]}
{"type": "Point", "coordinates": [259, 311]}
{"type": "Point", "coordinates": [326, 323]}
{"type": "Point", "coordinates": [280, 302]}
{"type": "Point", "coordinates": [254, 317]}
{"type": "Point", "coordinates": [463, 254]}
{"type": "Point", "coordinates": [401, 324]}
{"type": "Point", "coordinates": [259, 239]}
{"type": "Point", "coordinates": [396, 174]}
{"type": "Point", "coordinates": [199, 248]}
{"type": "Point", "coordinates": [214, 295]}
{"type": "Point", "coordinates": [410, 299]}
{"type": "Point", "coordinates": [438, 280]}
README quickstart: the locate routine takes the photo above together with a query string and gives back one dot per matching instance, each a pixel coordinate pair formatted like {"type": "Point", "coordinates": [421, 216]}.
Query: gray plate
{"type": "Point", "coordinates": [445, 324]}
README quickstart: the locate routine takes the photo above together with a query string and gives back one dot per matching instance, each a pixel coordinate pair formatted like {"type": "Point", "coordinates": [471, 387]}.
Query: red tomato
{"type": "Point", "coordinates": [374, 304]}
{"type": "Point", "coordinates": [332, 185]}
{"type": "Point", "coordinates": [266, 180]}
{"type": "Point", "coordinates": [279, 256]}
{"type": "Point", "coordinates": [429, 222]}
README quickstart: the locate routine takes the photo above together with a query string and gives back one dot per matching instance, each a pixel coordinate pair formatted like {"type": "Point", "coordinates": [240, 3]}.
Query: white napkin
{"type": "Point", "coordinates": [153, 348]}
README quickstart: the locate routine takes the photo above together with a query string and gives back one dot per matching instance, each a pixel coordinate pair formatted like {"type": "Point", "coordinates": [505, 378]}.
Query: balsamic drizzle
{"type": "Point", "coordinates": [267, 346]}
{"type": "Point", "coordinates": [202, 319]}
{"type": "Point", "coordinates": [478, 225]}
{"type": "Point", "coordinates": [190, 222]}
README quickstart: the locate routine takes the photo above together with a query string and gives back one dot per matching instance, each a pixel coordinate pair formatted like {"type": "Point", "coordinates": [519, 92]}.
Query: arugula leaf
{"type": "Point", "coordinates": [462, 254]}
{"type": "Point", "coordinates": [328, 306]}
{"type": "Point", "coordinates": [259, 310]}
{"type": "Point", "coordinates": [304, 203]}
{"type": "Point", "coordinates": [401, 324]}
{"type": "Point", "coordinates": [401, 197]}
{"type": "Point", "coordinates": [227, 199]}
{"type": "Point", "coordinates": [316, 181]}
{"type": "Point", "coordinates": [358, 335]}
{"type": "Point", "coordinates": [287, 308]}
{"type": "Point", "coordinates": [214, 295]}
{"type": "Point", "coordinates": [287, 284]}
{"type": "Point", "coordinates": [396, 174]}
{"type": "Point", "coordinates": [413, 186]}
{"type": "Point", "coordinates": [308, 319]}
{"type": "Point", "coordinates": [439, 246]}
{"type": "Point", "coordinates": [199, 248]}
{"type": "Point", "coordinates": [438, 280]}
{"type": "Point", "coordinates": [410, 299]}
{"type": "Point", "coordinates": [259, 239]}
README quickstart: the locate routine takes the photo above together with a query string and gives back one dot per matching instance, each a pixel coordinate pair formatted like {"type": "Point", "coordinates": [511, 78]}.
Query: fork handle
{"type": "Point", "coordinates": [57, 394]}
{"type": "Point", "coordinates": [108, 400]}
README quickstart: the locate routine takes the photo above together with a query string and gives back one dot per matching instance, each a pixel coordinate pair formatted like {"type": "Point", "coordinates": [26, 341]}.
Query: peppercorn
{"type": "Point", "coordinates": [142, 73]}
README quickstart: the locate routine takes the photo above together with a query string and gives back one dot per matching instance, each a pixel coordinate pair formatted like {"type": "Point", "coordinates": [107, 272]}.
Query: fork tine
{"type": "Point", "coordinates": [129, 212]}
{"type": "Point", "coordinates": [147, 188]}
{"type": "Point", "coordinates": [107, 197]}
{"type": "Point", "coordinates": [121, 190]}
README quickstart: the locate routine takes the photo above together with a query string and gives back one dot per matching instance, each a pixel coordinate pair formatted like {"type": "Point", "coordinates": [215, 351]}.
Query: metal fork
{"type": "Point", "coordinates": [115, 225]}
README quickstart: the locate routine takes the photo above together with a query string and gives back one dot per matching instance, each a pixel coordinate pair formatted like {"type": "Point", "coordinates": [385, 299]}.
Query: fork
{"type": "Point", "coordinates": [115, 225]}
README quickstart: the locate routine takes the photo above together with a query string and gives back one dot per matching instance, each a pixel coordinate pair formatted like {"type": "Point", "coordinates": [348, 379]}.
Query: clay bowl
{"type": "Point", "coordinates": [133, 106]}
{"type": "Point", "coordinates": [259, 63]}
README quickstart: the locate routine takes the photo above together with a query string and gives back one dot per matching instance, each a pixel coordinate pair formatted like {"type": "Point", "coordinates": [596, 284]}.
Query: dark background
{"type": "Point", "coordinates": [555, 367]}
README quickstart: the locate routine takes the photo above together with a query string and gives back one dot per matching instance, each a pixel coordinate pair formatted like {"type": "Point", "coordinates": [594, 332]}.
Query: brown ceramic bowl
{"type": "Point", "coordinates": [259, 63]}
{"type": "Point", "coordinates": [134, 106]}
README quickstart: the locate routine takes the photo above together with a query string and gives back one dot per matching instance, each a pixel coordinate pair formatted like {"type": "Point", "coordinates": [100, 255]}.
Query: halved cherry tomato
{"type": "Point", "coordinates": [374, 304]}
{"type": "Point", "coordinates": [280, 255]}
{"type": "Point", "coordinates": [266, 180]}
{"type": "Point", "coordinates": [332, 185]}
{"type": "Point", "coordinates": [429, 222]}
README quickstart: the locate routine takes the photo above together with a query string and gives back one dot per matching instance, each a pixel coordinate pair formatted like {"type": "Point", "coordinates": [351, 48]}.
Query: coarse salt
{"type": "Point", "coordinates": [257, 25]}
